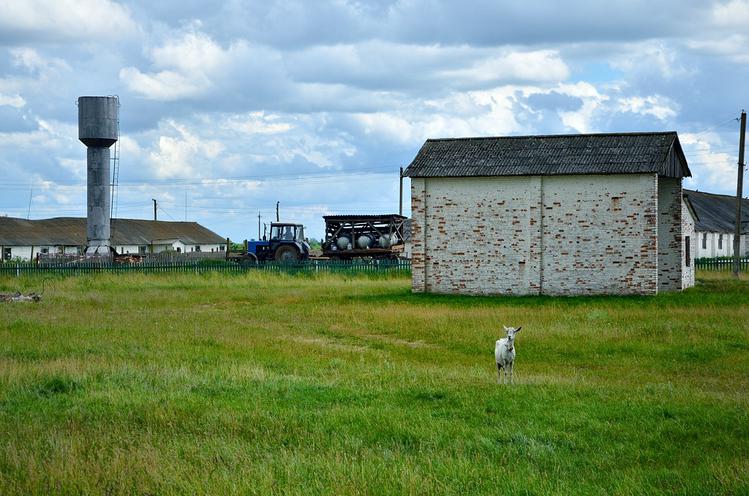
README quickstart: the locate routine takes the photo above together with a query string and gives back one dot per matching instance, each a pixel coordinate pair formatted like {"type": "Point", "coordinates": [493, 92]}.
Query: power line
{"type": "Point", "coordinates": [167, 213]}
{"type": "Point", "coordinates": [221, 180]}
{"type": "Point", "coordinates": [715, 126]}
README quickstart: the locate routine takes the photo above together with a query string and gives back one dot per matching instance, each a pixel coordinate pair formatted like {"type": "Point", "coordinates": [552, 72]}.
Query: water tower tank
{"type": "Point", "coordinates": [98, 130]}
{"type": "Point", "coordinates": [97, 120]}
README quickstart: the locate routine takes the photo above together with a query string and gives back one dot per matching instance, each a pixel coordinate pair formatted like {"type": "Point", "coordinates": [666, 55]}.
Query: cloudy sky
{"type": "Point", "coordinates": [227, 108]}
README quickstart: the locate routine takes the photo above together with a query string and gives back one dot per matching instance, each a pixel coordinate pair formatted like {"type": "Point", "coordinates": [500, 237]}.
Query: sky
{"type": "Point", "coordinates": [229, 107]}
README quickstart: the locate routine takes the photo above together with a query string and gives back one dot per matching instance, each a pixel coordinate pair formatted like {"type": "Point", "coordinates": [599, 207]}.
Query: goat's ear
{"type": "Point", "coordinates": [518, 329]}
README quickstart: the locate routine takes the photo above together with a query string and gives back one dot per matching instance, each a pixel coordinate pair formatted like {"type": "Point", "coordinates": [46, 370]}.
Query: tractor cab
{"type": "Point", "coordinates": [287, 232]}
{"type": "Point", "coordinates": [286, 243]}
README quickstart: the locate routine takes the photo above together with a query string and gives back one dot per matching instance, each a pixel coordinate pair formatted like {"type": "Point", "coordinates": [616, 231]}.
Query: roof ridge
{"type": "Point", "coordinates": [84, 218]}
{"type": "Point", "coordinates": [711, 194]}
{"type": "Point", "coordinates": [547, 136]}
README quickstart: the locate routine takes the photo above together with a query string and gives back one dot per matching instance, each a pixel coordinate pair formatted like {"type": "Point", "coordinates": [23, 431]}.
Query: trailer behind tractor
{"type": "Point", "coordinates": [357, 236]}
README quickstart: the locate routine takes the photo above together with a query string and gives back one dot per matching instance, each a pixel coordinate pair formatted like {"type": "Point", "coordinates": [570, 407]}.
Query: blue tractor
{"type": "Point", "coordinates": [286, 244]}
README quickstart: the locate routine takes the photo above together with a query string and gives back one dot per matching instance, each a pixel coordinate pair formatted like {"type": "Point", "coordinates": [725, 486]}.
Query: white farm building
{"type": "Point", "coordinates": [24, 239]}
{"type": "Point", "coordinates": [716, 222]}
{"type": "Point", "coordinates": [558, 215]}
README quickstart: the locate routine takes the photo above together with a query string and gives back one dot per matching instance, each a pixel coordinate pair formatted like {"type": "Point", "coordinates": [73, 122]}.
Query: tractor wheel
{"type": "Point", "coordinates": [250, 261]}
{"type": "Point", "coordinates": [287, 254]}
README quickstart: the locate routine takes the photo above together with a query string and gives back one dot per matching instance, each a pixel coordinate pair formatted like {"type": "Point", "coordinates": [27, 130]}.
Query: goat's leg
{"type": "Point", "coordinates": [509, 370]}
{"type": "Point", "coordinates": [499, 373]}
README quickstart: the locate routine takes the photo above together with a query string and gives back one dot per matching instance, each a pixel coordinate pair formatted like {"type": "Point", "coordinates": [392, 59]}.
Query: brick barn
{"type": "Point", "coordinates": [557, 215]}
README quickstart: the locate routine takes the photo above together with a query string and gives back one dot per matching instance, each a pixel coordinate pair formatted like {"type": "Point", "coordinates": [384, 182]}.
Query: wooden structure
{"type": "Point", "coordinates": [352, 236]}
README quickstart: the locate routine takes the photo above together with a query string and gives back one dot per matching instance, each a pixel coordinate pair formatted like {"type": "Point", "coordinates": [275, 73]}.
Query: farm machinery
{"type": "Point", "coordinates": [357, 236]}
{"type": "Point", "coordinates": [285, 244]}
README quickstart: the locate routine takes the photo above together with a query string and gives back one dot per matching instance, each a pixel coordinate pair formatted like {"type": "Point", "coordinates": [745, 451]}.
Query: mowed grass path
{"type": "Point", "coordinates": [262, 384]}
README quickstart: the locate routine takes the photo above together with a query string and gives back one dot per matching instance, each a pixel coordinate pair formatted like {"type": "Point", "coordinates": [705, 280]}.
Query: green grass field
{"type": "Point", "coordinates": [264, 384]}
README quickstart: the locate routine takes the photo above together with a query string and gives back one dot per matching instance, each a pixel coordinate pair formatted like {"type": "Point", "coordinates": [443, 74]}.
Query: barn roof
{"type": "Point", "coordinates": [71, 231]}
{"type": "Point", "coordinates": [717, 213]}
{"type": "Point", "coordinates": [622, 153]}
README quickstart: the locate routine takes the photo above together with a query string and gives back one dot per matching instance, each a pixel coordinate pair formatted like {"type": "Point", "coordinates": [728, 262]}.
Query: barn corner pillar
{"type": "Point", "coordinates": [418, 234]}
{"type": "Point", "coordinates": [670, 246]}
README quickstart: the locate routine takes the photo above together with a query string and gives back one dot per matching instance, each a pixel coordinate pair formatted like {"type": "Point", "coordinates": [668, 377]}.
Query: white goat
{"type": "Point", "coordinates": [504, 353]}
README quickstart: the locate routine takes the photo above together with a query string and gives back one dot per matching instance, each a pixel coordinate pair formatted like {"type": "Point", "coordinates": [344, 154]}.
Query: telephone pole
{"type": "Point", "coordinates": [258, 225]}
{"type": "Point", "coordinates": [278, 218]}
{"type": "Point", "coordinates": [400, 198]}
{"type": "Point", "coordinates": [739, 193]}
{"type": "Point", "coordinates": [154, 208]}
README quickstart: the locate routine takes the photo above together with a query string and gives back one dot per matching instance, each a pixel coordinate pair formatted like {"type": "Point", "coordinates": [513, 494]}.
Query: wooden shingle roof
{"type": "Point", "coordinates": [623, 153]}
{"type": "Point", "coordinates": [717, 213]}
{"type": "Point", "coordinates": [71, 231]}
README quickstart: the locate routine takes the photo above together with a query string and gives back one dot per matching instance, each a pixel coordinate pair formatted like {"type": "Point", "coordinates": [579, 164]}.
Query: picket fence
{"type": "Point", "coordinates": [92, 266]}
{"type": "Point", "coordinates": [720, 264]}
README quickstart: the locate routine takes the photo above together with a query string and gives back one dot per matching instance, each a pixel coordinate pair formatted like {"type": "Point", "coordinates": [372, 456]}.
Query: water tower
{"type": "Point", "coordinates": [97, 129]}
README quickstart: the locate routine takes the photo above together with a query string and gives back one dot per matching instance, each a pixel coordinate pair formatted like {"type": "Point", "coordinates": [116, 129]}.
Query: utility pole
{"type": "Point", "coordinates": [258, 225]}
{"type": "Point", "coordinates": [278, 218]}
{"type": "Point", "coordinates": [400, 199]}
{"type": "Point", "coordinates": [739, 193]}
{"type": "Point", "coordinates": [154, 208]}
{"type": "Point", "coordinates": [31, 195]}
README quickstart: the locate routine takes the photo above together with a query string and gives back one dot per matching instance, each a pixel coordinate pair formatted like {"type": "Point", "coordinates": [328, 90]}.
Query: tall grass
{"type": "Point", "coordinates": [273, 384]}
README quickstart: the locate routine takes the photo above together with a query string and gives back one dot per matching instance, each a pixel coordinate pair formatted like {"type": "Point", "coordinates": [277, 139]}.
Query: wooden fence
{"type": "Point", "coordinates": [722, 263]}
{"type": "Point", "coordinates": [92, 266]}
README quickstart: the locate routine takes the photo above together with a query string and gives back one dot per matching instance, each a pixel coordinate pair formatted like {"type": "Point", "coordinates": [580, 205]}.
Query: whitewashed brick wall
{"type": "Point", "coordinates": [564, 235]}
{"type": "Point", "coordinates": [687, 231]}
{"type": "Point", "coordinates": [670, 242]}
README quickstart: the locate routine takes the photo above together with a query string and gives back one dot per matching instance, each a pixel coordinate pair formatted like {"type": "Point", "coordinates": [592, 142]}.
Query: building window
{"type": "Point", "coordinates": [6, 254]}
{"type": "Point", "coordinates": [687, 250]}
{"type": "Point", "coordinates": [704, 241]}
{"type": "Point", "coordinates": [179, 250]}
{"type": "Point", "coordinates": [197, 248]}
{"type": "Point", "coordinates": [720, 241]}
{"type": "Point", "coordinates": [142, 250]}
{"type": "Point", "coordinates": [45, 250]}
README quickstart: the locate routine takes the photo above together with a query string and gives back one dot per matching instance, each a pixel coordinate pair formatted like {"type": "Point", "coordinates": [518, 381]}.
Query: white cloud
{"type": "Point", "coordinates": [712, 168]}
{"type": "Point", "coordinates": [163, 85]}
{"type": "Point", "coordinates": [33, 61]}
{"type": "Point", "coordinates": [651, 57]}
{"type": "Point", "coordinates": [63, 20]}
{"type": "Point", "coordinates": [733, 13]}
{"type": "Point", "coordinates": [735, 47]}
{"type": "Point", "coordinates": [257, 123]}
{"type": "Point", "coordinates": [180, 155]}
{"type": "Point", "coordinates": [658, 106]}
{"type": "Point", "coordinates": [77, 167]}
{"type": "Point", "coordinates": [186, 67]}
{"type": "Point", "coordinates": [534, 66]}
{"type": "Point", "coordinates": [582, 120]}
{"type": "Point", "coordinates": [15, 101]}
{"type": "Point", "coordinates": [474, 113]}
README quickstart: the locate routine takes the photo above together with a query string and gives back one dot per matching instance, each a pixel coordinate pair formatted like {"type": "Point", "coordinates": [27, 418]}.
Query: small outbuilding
{"type": "Point", "coordinates": [559, 215]}
{"type": "Point", "coordinates": [716, 224]}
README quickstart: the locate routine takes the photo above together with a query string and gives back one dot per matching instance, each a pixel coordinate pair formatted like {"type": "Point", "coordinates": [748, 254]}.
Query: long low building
{"type": "Point", "coordinates": [24, 239]}
{"type": "Point", "coordinates": [715, 226]}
